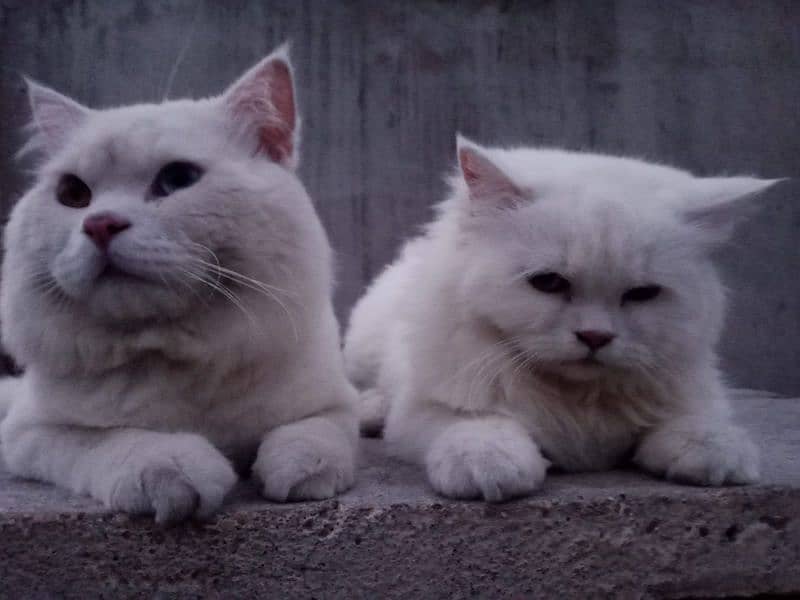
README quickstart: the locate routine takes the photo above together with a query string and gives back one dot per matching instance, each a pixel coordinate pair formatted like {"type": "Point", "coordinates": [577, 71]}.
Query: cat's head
{"type": "Point", "coordinates": [594, 265]}
{"type": "Point", "coordinates": [148, 212]}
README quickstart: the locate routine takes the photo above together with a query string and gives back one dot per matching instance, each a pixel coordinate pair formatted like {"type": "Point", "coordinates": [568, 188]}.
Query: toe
{"type": "Point", "coordinates": [174, 499]}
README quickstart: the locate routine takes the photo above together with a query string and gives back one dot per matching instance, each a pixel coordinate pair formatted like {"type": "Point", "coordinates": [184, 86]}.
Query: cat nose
{"type": "Point", "coordinates": [101, 227]}
{"type": "Point", "coordinates": [594, 339]}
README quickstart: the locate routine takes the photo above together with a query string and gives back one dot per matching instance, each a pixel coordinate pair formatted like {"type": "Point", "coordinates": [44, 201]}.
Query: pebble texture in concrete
{"type": "Point", "coordinates": [617, 534]}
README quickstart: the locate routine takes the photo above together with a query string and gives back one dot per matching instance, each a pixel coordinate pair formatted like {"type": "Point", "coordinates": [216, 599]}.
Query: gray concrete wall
{"type": "Point", "coordinates": [385, 85]}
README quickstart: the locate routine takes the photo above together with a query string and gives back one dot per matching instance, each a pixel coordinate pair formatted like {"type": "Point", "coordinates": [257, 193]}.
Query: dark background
{"type": "Point", "coordinates": [710, 85]}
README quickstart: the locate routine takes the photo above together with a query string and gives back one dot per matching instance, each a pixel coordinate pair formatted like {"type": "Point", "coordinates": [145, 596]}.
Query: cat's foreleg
{"type": "Point", "coordinates": [310, 459]}
{"type": "Point", "coordinates": [171, 475]}
{"type": "Point", "coordinates": [481, 456]}
{"type": "Point", "coordinates": [10, 388]}
{"type": "Point", "coordinates": [5, 405]}
{"type": "Point", "coordinates": [701, 450]}
{"type": "Point", "coordinates": [372, 410]}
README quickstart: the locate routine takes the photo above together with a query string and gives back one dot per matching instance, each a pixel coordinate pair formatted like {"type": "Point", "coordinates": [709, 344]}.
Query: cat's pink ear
{"type": "Point", "coordinates": [488, 185]}
{"type": "Point", "coordinates": [263, 100]}
{"type": "Point", "coordinates": [55, 117]}
{"type": "Point", "coordinates": [719, 204]}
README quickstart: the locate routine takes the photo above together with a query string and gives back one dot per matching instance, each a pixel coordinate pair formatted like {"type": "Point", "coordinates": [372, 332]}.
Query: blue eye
{"type": "Point", "coordinates": [175, 176]}
{"type": "Point", "coordinates": [550, 283]}
{"type": "Point", "coordinates": [641, 294]}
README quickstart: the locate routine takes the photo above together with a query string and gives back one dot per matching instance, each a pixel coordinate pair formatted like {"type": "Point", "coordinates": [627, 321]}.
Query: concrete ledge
{"type": "Point", "coordinates": [618, 534]}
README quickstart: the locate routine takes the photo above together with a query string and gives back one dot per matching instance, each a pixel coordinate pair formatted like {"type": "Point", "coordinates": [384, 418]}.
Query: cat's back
{"type": "Point", "coordinates": [379, 313]}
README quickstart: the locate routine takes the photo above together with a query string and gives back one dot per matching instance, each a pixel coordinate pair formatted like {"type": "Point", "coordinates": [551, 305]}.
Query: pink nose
{"type": "Point", "coordinates": [101, 227]}
{"type": "Point", "coordinates": [594, 339]}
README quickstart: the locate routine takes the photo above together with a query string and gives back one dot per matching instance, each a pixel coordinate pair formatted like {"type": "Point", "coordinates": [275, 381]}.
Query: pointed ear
{"type": "Point", "coordinates": [55, 116]}
{"type": "Point", "coordinates": [488, 185]}
{"type": "Point", "coordinates": [719, 204]}
{"type": "Point", "coordinates": [263, 101]}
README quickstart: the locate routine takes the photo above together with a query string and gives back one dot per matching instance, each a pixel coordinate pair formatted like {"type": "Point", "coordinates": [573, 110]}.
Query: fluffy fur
{"type": "Point", "coordinates": [483, 377]}
{"type": "Point", "coordinates": [203, 336]}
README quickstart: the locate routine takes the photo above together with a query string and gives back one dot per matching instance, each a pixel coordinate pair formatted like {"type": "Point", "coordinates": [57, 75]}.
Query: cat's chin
{"type": "Point", "coordinates": [116, 296]}
{"type": "Point", "coordinates": [125, 300]}
{"type": "Point", "coordinates": [110, 293]}
{"type": "Point", "coordinates": [583, 370]}
{"type": "Point", "coordinates": [115, 274]}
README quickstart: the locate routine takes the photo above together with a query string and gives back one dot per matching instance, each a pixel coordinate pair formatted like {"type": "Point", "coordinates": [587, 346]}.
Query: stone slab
{"type": "Point", "coordinates": [616, 534]}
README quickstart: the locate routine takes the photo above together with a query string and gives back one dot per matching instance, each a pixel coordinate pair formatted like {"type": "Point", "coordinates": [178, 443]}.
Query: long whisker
{"type": "Point", "coordinates": [244, 278]}
{"type": "Point", "coordinates": [218, 265]}
{"type": "Point", "coordinates": [226, 292]}
{"type": "Point", "coordinates": [42, 283]}
{"type": "Point", "coordinates": [516, 361]}
{"type": "Point", "coordinates": [485, 374]}
{"type": "Point", "coordinates": [185, 284]}
{"type": "Point", "coordinates": [490, 364]}
{"type": "Point", "coordinates": [252, 284]}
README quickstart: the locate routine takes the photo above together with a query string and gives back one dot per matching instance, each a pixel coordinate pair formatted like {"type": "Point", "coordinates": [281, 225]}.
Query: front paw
{"type": "Point", "coordinates": [700, 451]}
{"type": "Point", "coordinates": [489, 458]}
{"type": "Point", "coordinates": [312, 459]}
{"type": "Point", "coordinates": [176, 477]}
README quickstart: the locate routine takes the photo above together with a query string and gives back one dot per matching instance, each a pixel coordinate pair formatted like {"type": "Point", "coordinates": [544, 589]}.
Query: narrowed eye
{"type": "Point", "coordinates": [73, 192]}
{"type": "Point", "coordinates": [641, 294]}
{"type": "Point", "coordinates": [175, 176]}
{"type": "Point", "coordinates": [549, 283]}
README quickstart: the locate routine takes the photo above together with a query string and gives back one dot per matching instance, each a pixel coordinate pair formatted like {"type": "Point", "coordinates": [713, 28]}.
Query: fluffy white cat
{"type": "Point", "coordinates": [167, 287]}
{"type": "Point", "coordinates": [562, 308]}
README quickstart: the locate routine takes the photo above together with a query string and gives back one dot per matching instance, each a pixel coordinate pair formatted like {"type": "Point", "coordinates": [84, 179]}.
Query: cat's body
{"type": "Point", "coordinates": [484, 379]}
{"type": "Point", "coordinates": [181, 318]}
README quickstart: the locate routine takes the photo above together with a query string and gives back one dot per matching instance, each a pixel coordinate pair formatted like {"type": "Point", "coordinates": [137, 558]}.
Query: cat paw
{"type": "Point", "coordinates": [491, 459]}
{"type": "Point", "coordinates": [700, 452]}
{"type": "Point", "coordinates": [312, 459]}
{"type": "Point", "coordinates": [178, 478]}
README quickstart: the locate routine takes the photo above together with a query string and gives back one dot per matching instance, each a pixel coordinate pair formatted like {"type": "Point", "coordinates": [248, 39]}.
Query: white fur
{"type": "Point", "coordinates": [481, 374]}
{"type": "Point", "coordinates": [220, 345]}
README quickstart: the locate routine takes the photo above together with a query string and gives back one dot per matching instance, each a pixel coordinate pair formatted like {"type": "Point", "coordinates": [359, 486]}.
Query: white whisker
{"type": "Point", "coordinates": [250, 283]}
{"type": "Point", "coordinates": [233, 298]}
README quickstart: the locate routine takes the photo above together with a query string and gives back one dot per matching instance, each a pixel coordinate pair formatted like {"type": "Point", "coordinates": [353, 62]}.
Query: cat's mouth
{"type": "Point", "coordinates": [590, 361]}
{"type": "Point", "coordinates": [586, 365]}
{"type": "Point", "coordinates": [577, 370]}
{"type": "Point", "coordinates": [114, 273]}
{"type": "Point", "coordinates": [111, 272]}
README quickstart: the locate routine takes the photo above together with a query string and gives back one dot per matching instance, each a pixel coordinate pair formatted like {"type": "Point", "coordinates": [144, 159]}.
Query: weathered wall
{"type": "Point", "coordinates": [712, 86]}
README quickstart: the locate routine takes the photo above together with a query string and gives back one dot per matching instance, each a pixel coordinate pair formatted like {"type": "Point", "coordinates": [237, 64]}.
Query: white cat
{"type": "Point", "coordinates": [562, 308]}
{"type": "Point", "coordinates": [167, 287]}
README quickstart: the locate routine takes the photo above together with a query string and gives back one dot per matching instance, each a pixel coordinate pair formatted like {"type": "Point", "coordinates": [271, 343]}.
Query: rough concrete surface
{"type": "Point", "coordinates": [384, 86]}
{"type": "Point", "coordinates": [617, 534]}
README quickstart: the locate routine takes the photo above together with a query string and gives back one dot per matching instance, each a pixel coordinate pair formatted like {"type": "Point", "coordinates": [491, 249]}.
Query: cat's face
{"type": "Point", "coordinates": [141, 212]}
{"type": "Point", "coordinates": [594, 266]}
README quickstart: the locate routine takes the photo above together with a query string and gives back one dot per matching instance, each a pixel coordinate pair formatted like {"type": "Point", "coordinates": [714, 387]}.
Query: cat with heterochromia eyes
{"type": "Point", "coordinates": [561, 309]}
{"type": "Point", "coordinates": [167, 287]}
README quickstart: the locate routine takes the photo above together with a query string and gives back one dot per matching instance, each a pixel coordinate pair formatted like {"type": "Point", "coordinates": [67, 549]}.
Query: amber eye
{"type": "Point", "coordinates": [641, 294]}
{"type": "Point", "coordinates": [72, 191]}
{"type": "Point", "coordinates": [175, 176]}
{"type": "Point", "coordinates": [550, 283]}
